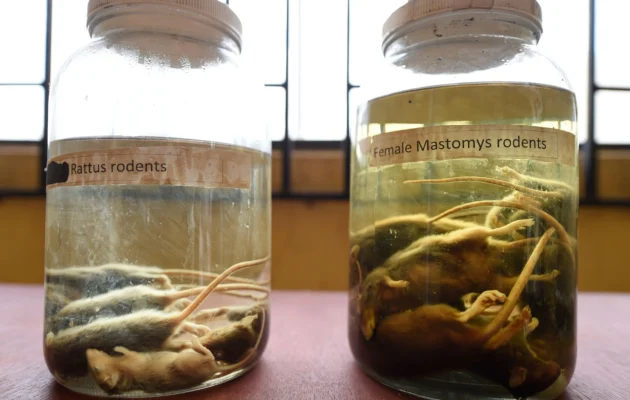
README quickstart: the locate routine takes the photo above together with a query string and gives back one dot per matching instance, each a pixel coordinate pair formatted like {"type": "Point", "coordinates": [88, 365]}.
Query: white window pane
{"type": "Point", "coordinates": [366, 26]}
{"type": "Point", "coordinates": [264, 37]}
{"type": "Point", "coordinates": [566, 39]}
{"type": "Point", "coordinates": [318, 79]}
{"type": "Point", "coordinates": [611, 108]}
{"type": "Point", "coordinates": [22, 113]}
{"type": "Point", "coordinates": [69, 32]}
{"type": "Point", "coordinates": [612, 60]}
{"type": "Point", "coordinates": [23, 41]}
{"type": "Point", "coordinates": [276, 112]}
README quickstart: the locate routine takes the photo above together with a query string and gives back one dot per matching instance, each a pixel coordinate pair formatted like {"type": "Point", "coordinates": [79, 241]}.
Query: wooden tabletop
{"type": "Point", "coordinates": [308, 355]}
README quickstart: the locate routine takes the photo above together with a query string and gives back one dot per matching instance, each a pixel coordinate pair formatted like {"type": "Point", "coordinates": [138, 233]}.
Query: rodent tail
{"type": "Point", "coordinates": [208, 289]}
{"type": "Point", "coordinates": [515, 294]}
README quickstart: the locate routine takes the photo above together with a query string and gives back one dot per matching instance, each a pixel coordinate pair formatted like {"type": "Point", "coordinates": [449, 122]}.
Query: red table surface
{"type": "Point", "coordinates": [308, 355]}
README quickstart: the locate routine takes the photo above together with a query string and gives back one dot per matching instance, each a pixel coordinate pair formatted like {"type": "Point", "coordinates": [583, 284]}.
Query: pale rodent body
{"type": "Point", "coordinates": [159, 371]}
{"type": "Point", "coordinates": [162, 371]}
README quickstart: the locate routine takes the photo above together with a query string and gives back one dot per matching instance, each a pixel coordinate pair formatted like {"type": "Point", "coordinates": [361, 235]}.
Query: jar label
{"type": "Point", "coordinates": [470, 141]}
{"type": "Point", "coordinates": [159, 165]}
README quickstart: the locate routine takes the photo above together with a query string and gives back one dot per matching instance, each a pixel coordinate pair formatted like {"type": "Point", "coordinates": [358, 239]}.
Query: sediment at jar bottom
{"type": "Point", "coordinates": [152, 337]}
{"type": "Point", "coordinates": [435, 300]}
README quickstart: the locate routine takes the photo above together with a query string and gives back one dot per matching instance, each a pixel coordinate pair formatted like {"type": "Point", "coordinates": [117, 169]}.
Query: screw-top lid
{"type": "Point", "coordinates": [418, 9]}
{"type": "Point", "coordinates": [208, 8]}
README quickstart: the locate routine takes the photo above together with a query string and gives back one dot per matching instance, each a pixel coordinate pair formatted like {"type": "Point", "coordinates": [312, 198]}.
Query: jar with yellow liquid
{"type": "Point", "coordinates": [464, 201]}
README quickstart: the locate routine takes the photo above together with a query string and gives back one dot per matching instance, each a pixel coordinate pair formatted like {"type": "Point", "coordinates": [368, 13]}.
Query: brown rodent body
{"type": "Point", "coordinates": [227, 343]}
{"type": "Point", "coordinates": [377, 243]}
{"type": "Point", "coordinates": [503, 365]}
{"type": "Point", "coordinates": [434, 335]}
{"type": "Point", "coordinates": [427, 328]}
{"type": "Point", "coordinates": [438, 269]}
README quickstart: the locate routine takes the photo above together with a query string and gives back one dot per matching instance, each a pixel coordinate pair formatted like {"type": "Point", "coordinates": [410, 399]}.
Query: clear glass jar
{"type": "Point", "coordinates": [158, 204]}
{"type": "Point", "coordinates": [464, 200]}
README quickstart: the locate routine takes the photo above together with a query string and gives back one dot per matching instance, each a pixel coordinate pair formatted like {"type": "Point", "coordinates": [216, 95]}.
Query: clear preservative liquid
{"type": "Point", "coordinates": [119, 246]}
{"type": "Point", "coordinates": [158, 204]}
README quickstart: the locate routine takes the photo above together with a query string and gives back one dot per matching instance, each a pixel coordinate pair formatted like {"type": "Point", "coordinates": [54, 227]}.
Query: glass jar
{"type": "Point", "coordinates": [464, 200]}
{"type": "Point", "coordinates": [158, 204]}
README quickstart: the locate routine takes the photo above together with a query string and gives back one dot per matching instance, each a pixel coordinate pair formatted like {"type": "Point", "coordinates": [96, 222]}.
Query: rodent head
{"type": "Point", "coordinates": [104, 371]}
{"type": "Point", "coordinates": [372, 292]}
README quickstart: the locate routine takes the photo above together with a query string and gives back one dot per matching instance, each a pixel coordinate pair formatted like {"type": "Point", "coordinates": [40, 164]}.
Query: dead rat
{"type": "Point", "coordinates": [115, 303]}
{"type": "Point", "coordinates": [448, 266]}
{"type": "Point", "coordinates": [437, 337]}
{"type": "Point", "coordinates": [94, 281]}
{"type": "Point", "coordinates": [517, 367]}
{"type": "Point", "coordinates": [565, 240]}
{"type": "Point", "coordinates": [160, 371]}
{"type": "Point", "coordinates": [555, 197]}
{"type": "Point", "coordinates": [233, 313]}
{"type": "Point", "coordinates": [128, 300]}
{"type": "Point", "coordinates": [230, 342]}
{"type": "Point", "coordinates": [493, 181]}
{"type": "Point", "coordinates": [59, 296]}
{"type": "Point", "coordinates": [145, 330]}
{"type": "Point", "coordinates": [376, 243]}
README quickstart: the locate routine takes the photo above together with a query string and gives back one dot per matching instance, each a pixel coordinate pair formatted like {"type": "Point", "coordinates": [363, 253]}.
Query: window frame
{"type": "Point", "coordinates": [286, 149]}
{"type": "Point", "coordinates": [43, 143]}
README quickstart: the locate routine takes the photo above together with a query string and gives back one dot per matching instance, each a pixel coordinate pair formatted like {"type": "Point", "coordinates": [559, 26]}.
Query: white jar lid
{"type": "Point", "coordinates": [208, 8]}
{"type": "Point", "coordinates": [418, 9]}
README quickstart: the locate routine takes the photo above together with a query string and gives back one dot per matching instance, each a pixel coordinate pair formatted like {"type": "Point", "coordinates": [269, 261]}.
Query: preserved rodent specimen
{"type": "Point", "coordinates": [159, 371]}
{"type": "Point", "coordinates": [98, 280]}
{"type": "Point", "coordinates": [430, 292]}
{"type": "Point", "coordinates": [126, 301]}
{"type": "Point", "coordinates": [144, 330]}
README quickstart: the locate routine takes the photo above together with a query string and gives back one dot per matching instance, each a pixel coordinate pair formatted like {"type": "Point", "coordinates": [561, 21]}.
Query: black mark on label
{"type": "Point", "coordinates": [57, 173]}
